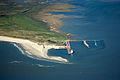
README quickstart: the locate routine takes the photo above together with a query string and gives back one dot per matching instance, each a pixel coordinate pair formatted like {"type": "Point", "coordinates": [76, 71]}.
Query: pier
{"type": "Point", "coordinates": [68, 47]}
{"type": "Point", "coordinates": [91, 44]}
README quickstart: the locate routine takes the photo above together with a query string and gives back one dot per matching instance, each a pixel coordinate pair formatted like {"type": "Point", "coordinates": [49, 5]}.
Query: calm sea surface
{"type": "Point", "coordinates": [89, 20]}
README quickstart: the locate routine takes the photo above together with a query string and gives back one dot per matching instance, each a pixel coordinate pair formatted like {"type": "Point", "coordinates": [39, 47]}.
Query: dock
{"type": "Point", "coordinates": [68, 47]}
{"type": "Point", "coordinates": [85, 42]}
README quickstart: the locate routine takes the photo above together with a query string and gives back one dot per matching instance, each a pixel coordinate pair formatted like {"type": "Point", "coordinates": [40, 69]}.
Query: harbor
{"type": "Point", "coordinates": [90, 44]}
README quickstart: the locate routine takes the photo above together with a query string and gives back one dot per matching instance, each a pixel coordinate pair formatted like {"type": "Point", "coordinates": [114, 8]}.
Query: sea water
{"type": "Point", "coordinates": [89, 20]}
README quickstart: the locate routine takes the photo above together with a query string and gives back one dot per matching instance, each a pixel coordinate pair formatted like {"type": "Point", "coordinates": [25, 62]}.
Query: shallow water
{"type": "Point", "coordinates": [90, 20]}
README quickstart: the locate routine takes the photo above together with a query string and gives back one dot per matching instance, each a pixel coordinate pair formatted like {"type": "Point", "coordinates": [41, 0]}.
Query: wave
{"type": "Point", "coordinates": [16, 62]}
{"type": "Point", "coordinates": [45, 66]}
{"type": "Point", "coordinates": [39, 65]}
{"type": "Point", "coordinates": [19, 48]}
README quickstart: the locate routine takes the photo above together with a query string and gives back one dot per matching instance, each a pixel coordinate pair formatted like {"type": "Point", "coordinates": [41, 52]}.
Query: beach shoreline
{"type": "Point", "coordinates": [31, 35]}
{"type": "Point", "coordinates": [34, 49]}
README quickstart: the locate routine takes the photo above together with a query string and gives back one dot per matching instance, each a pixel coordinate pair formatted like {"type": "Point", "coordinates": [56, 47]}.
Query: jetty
{"type": "Point", "coordinates": [68, 47]}
{"type": "Point", "coordinates": [86, 43]}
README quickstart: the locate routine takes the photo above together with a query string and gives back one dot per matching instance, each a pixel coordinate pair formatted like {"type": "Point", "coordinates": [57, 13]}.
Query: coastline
{"type": "Point", "coordinates": [34, 49]}
{"type": "Point", "coordinates": [38, 24]}
{"type": "Point", "coordinates": [53, 20]}
{"type": "Point", "coordinates": [38, 27]}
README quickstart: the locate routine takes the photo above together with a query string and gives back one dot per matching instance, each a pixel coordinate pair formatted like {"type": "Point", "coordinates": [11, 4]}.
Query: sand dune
{"type": "Point", "coordinates": [35, 49]}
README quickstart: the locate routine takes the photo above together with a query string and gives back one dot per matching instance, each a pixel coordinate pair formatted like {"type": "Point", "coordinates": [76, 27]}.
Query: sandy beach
{"type": "Point", "coordinates": [34, 49]}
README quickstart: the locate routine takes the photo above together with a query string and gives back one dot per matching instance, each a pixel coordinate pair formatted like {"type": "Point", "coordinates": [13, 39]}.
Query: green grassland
{"type": "Point", "coordinates": [22, 25]}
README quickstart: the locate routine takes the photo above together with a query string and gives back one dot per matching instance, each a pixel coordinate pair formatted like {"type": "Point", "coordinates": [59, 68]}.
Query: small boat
{"type": "Point", "coordinates": [72, 51]}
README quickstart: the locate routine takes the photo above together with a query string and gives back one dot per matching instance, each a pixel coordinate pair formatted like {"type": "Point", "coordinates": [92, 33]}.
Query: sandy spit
{"type": "Point", "coordinates": [32, 48]}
